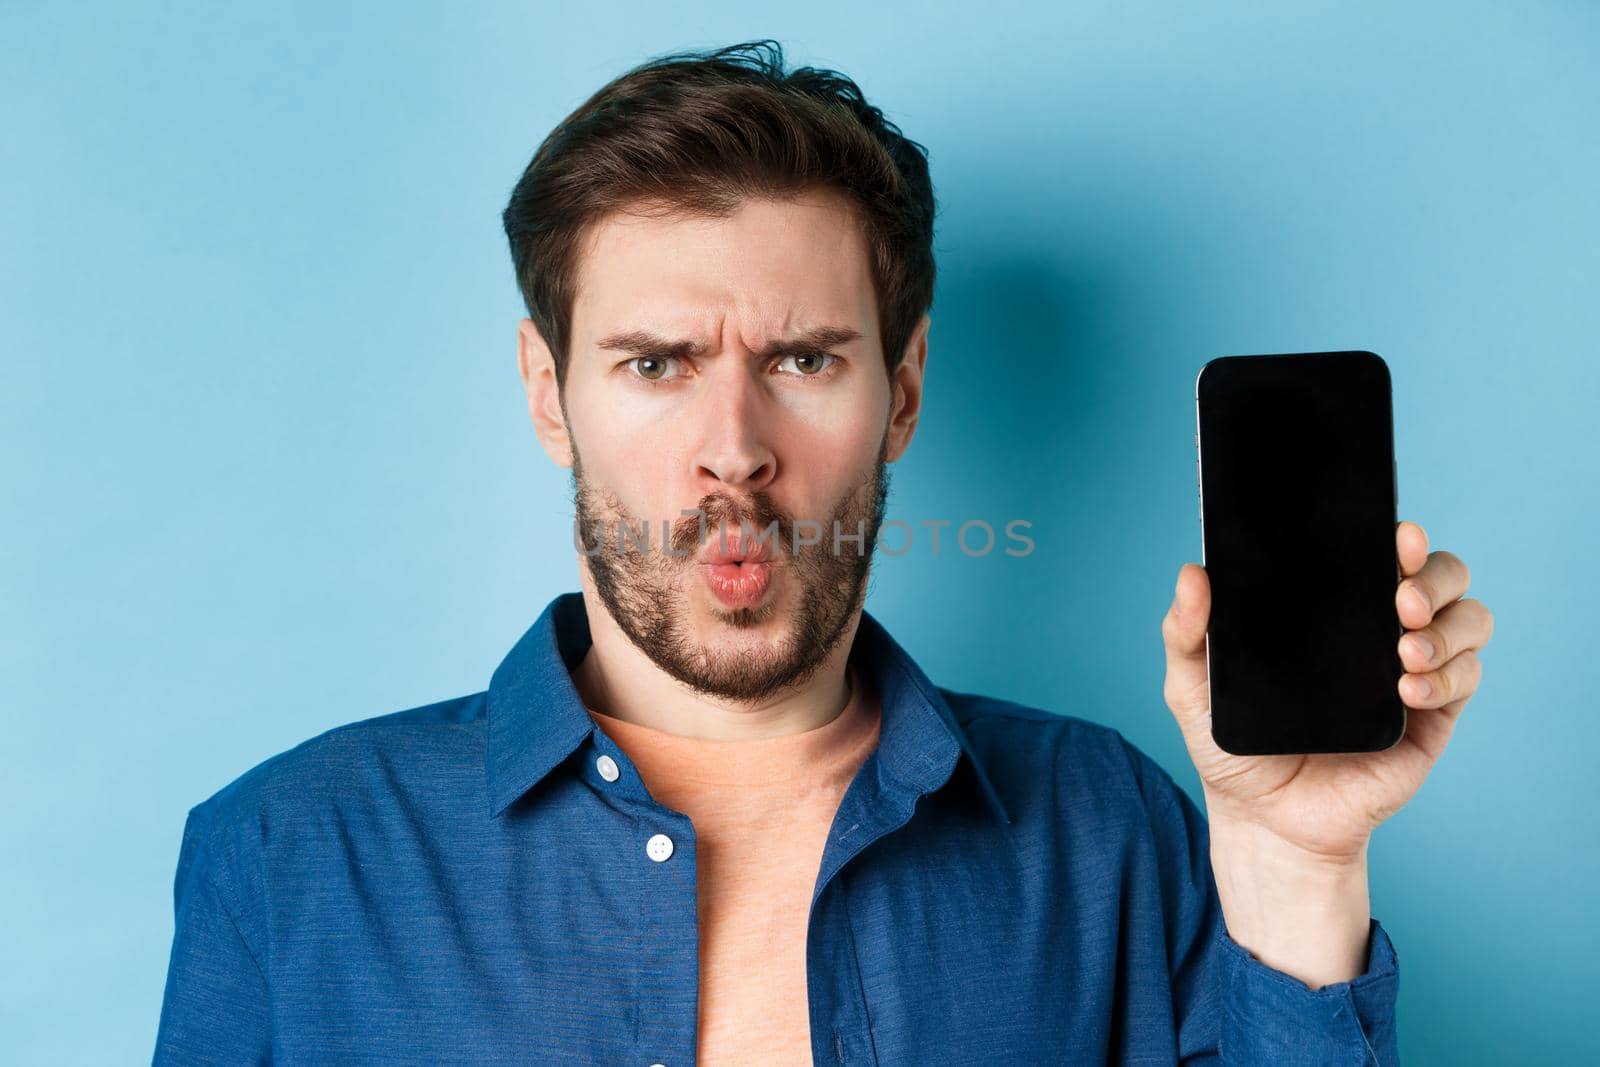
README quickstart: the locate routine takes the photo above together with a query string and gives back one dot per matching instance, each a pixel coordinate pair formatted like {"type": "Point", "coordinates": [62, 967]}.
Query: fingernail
{"type": "Point", "coordinates": [1424, 688]}
{"type": "Point", "coordinates": [1420, 600]}
{"type": "Point", "coordinates": [1424, 646]}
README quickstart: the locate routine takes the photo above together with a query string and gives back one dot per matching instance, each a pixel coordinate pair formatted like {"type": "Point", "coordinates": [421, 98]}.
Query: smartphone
{"type": "Point", "coordinates": [1298, 500]}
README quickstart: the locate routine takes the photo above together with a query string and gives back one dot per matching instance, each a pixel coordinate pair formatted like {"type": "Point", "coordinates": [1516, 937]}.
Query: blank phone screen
{"type": "Point", "coordinates": [1297, 490]}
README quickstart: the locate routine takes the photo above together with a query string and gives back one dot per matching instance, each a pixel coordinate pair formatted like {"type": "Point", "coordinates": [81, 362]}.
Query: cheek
{"type": "Point", "coordinates": [639, 460]}
{"type": "Point", "coordinates": [825, 456]}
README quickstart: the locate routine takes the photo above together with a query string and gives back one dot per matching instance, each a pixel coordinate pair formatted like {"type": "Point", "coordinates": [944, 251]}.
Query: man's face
{"type": "Point", "coordinates": [754, 436]}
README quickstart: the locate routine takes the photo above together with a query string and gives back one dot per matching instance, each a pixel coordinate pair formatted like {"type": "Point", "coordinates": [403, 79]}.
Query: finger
{"type": "Point", "coordinates": [1442, 580]}
{"type": "Point", "coordinates": [1411, 545]}
{"type": "Point", "coordinates": [1183, 632]}
{"type": "Point", "coordinates": [1456, 680]}
{"type": "Point", "coordinates": [1429, 729]}
{"type": "Point", "coordinates": [1465, 624]}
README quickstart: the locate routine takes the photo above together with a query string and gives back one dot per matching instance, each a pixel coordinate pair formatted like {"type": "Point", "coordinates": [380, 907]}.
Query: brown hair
{"type": "Point", "coordinates": [702, 131]}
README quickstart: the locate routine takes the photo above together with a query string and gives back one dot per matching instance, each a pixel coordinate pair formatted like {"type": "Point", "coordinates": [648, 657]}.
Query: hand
{"type": "Point", "coordinates": [1328, 803]}
{"type": "Point", "coordinates": [1289, 833]}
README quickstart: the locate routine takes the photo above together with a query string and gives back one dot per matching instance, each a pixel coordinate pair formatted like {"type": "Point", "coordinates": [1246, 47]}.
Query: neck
{"type": "Point", "coordinates": [617, 679]}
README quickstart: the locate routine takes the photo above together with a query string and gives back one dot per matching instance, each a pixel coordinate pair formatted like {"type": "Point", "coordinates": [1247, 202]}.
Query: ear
{"type": "Point", "coordinates": [907, 388]}
{"type": "Point", "coordinates": [538, 369]}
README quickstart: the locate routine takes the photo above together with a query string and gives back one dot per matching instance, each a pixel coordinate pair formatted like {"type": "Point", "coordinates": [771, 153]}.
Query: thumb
{"type": "Point", "coordinates": [1183, 631]}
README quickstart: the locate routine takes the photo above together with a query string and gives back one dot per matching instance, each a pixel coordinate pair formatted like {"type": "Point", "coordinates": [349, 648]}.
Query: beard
{"type": "Point", "coordinates": [648, 592]}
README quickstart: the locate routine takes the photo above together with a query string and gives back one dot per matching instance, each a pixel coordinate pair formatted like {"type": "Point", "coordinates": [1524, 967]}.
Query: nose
{"type": "Point", "coordinates": [735, 443]}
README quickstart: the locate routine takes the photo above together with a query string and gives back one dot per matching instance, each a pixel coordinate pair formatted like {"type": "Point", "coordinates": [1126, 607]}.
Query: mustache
{"type": "Point", "coordinates": [719, 511]}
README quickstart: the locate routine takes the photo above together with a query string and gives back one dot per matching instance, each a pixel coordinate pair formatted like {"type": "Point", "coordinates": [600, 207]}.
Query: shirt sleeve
{"type": "Point", "coordinates": [1232, 1009]}
{"type": "Point", "coordinates": [215, 1008]}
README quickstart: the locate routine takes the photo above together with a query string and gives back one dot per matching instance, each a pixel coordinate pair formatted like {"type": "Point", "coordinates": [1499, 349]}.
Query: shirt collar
{"type": "Point", "coordinates": [536, 719]}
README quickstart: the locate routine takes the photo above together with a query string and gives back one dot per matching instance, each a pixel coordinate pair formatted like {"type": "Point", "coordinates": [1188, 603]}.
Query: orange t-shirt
{"type": "Point", "coordinates": [761, 811]}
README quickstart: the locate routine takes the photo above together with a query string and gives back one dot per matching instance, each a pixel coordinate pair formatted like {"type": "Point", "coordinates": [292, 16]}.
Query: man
{"type": "Point", "coordinates": [708, 810]}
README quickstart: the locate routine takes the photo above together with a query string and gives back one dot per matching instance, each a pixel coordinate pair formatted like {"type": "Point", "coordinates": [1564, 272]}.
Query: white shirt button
{"type": "Point", "coordinates": [608, 768]}
{"type": "Point", "coordinates": [659, 847]}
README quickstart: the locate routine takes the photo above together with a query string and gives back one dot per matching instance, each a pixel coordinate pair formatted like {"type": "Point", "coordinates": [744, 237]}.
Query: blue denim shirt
{"type": "Point", "coordinates": [457, 883]}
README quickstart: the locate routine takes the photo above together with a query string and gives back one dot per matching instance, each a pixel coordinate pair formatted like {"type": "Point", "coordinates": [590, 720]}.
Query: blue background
{"type": "Point", "coordinates": [268, 467]}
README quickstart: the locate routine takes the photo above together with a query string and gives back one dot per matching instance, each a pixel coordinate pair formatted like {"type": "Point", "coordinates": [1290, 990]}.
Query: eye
{"type": "Point", "coordinates": [811, 364]}
{"type": "Point", "coordinates": [652, 368]}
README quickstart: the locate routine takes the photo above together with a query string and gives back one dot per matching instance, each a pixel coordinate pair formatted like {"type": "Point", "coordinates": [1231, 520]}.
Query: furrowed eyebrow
{"type": "Point", "coordinates": [644, 343]}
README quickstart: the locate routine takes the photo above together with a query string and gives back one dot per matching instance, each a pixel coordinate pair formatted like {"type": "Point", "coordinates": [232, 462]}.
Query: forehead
{"type": "Point", "coordinates": [771, 266]}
